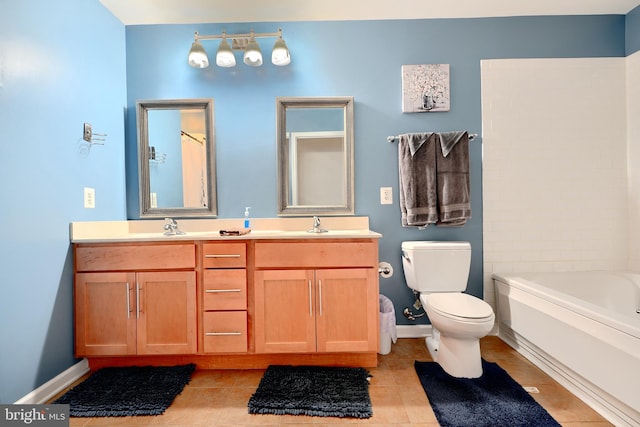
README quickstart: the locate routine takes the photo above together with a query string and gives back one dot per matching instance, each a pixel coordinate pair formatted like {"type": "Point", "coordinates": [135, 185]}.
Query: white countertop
{"type": "Point", "coordinates": [209, 229]}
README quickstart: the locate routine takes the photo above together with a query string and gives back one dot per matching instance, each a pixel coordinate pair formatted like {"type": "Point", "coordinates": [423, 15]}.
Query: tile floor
{"type": "Point", "coordinates": [219, 398]}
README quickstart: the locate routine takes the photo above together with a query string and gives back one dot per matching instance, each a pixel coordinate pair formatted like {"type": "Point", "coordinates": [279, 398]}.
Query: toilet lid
{"type": "Point", "coordinates": [460, 305]}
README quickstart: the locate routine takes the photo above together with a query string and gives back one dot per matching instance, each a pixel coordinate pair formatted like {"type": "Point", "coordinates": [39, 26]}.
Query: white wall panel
{"type": "Point", "coordinates": [633, 160]}
{"type": "Point", "coordinates": [554, 165]}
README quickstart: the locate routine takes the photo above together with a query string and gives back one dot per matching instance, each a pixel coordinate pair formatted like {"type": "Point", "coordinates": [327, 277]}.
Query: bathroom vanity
{"type": "Point", "coordinates": [278, 295]}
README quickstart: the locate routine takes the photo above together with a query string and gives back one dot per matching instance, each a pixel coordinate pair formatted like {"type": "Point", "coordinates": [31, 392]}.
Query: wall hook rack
{"type": "Point", "coordinates": [93, 138]}
{"type": "Point", "coordinates": [156, 157]}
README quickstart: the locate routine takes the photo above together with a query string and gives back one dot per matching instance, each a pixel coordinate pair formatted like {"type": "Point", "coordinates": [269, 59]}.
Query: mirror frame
{"type": "Point", "coordinates": [283, 148]}
{"type": "Point", "coordinates": [144, 184]}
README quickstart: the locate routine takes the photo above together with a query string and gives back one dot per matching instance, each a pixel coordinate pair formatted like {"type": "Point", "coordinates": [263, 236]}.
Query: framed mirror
{"type": "Point", "coordinates": [315, 140]}
{"type": "Point", "coordinates": [176, 154]}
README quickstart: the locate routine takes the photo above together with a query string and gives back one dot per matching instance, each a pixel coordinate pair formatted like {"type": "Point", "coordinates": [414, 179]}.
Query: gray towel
{"type": "Point", "coordinates": [454, 192]}
{"type": "Point", "coordinates": [417, 167]}
{"type": "Point", "coordinates": [448, 140]}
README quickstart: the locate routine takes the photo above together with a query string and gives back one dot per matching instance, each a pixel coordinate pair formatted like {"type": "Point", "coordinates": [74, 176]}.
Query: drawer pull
{"type": "Point", "coordinates": [138, 301]}
{"type": "Point", "coordinates": [222, 334]}
{"type": "Point", "coordinates": [128, 301]}
{"type": "Point", "coordinates": [310, 300]}
{"type": "Point", "coordinates": [222, 256]}
{"type": "Point", "coordinates": [320, 295]}
{"type": "Point", "coordinates": [217, 291]}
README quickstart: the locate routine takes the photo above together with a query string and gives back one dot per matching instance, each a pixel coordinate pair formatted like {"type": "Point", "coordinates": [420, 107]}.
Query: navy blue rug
{"type": "Point", "coordinates": [130, 391]}
{"type": "Point", "coordinates": [313, 390]}
{"type": "Point", "coordinates": [494, 399]}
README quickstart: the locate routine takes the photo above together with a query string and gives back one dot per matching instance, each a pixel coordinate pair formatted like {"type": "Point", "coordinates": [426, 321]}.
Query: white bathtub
{"type": "Point", "coordinates": [583, 329]}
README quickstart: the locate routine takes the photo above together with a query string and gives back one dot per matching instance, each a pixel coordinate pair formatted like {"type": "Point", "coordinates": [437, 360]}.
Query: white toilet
{"type": "Point", "coordinates": [439, 272]}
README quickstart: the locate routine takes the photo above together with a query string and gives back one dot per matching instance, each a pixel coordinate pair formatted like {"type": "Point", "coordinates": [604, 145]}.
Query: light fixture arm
{"type": "Point", "coordinates": [224, 34]}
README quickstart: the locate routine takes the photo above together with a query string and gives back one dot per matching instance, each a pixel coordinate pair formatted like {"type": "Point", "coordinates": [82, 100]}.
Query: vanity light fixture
{"type": "Point", "coordinates": [280, 53]}
{"type": "Point", "coordinates": [198, 56]}
{"type": "Point", "coordinates": [246, 42]}
{"type": "Point", "coordinates": [252, 54]}
{"type": "Point", "coordinates": [224, 56]}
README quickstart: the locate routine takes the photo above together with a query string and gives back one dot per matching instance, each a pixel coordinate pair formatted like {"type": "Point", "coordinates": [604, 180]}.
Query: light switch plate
{"type": "Point", "coordinates": [89, 197]}
{"type": "Point", "coordinates": [386, 196]}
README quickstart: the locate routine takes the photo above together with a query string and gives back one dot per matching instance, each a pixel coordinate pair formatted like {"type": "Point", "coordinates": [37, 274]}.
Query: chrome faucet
{"type": "Point", "coordinates": [171, 227]}
{"type": "Point", "coordinates": [316, 226]}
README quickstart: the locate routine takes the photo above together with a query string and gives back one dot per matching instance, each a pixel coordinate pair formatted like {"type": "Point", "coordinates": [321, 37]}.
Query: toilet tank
{"type": "Point", "coordinates": [431, 266]}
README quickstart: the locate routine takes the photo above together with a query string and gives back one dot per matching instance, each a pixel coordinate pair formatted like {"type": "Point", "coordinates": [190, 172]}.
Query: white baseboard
{"type": "Point", "coordinates": [413, 331]}
{"type": "Point", "coordinates": [55, 385]}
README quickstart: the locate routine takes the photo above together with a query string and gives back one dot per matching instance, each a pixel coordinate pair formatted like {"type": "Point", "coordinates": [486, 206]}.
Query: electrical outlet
{"type": "Point", "coordinates": [89, 198]}
{"type": "Point", "coordinates": [154, 199]}
{"type": "Point", "coordinates": [386, 196]}
{"type": "Point", "coordinates": [87, 134]}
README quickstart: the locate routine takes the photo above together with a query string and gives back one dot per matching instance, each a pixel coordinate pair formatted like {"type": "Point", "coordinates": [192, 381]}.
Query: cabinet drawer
{"type": "Point", "coordinates": [135, 257]}
{"type": "Point", "coordinates": [316, 255]}
{"type": "Point", "coordinates": [225, 332]}
{"type": "Point", "coordinates": [224, 255]}
{"type": "Point", "coordinates": [225, 289]}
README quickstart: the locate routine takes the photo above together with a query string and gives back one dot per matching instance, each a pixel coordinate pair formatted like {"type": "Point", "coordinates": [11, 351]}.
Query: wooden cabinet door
{"type": "Point", "coordinates": [285, 311]}
{"type": "Point", "coordinates": [347, 310]}
{"type": "Point", "coordinates": [166, 312]}
{"type": "Point", "coordinates": [105, 314]}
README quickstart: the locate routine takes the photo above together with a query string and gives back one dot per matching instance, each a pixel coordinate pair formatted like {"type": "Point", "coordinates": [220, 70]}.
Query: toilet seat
{"type": "Point", "coordinates": [459, 306]}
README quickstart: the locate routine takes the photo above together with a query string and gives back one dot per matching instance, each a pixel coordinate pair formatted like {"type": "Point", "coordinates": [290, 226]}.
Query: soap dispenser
{"type": "Point", "coordinates": [247, 223]}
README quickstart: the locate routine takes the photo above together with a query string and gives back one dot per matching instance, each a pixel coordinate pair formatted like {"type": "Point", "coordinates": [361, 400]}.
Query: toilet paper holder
{"type": "Point", "coordinates": [385, 269]}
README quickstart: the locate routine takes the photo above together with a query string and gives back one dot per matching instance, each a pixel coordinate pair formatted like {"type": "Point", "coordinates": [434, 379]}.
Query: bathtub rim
{"type": "Point", "coordinates": [626, 324]}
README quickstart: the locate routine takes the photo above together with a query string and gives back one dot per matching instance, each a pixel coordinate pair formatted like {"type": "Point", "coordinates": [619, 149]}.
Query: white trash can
{"type": "Point", "coordinates": [388, 331]}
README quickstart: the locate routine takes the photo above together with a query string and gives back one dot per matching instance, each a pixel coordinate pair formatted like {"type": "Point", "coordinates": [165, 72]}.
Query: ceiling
{"type": "Point", "coordinates": [138, 12]}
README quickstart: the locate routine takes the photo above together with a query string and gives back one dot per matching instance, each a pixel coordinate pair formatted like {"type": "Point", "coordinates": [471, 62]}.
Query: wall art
{"type": "Point", "coordinates": [425, 88]}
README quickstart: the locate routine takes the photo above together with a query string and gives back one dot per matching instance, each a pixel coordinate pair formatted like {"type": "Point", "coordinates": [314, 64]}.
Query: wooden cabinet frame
{"type": "Point", "coordinates": [270, 301]}
{"type": "Point", "coordinates": [316, 296]}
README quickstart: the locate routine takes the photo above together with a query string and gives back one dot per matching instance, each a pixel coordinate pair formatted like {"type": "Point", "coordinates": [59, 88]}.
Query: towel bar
{"type": "Point", "coordinates": [394, 138]}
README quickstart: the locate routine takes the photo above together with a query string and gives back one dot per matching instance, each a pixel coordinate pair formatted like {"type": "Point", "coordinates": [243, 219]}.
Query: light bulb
{"type": "Point", "coordinates": [224, 56]}
{"type": "Point", "coordinates": [280, 54]}
{"type": "Point", "coordinates": [198, 56]}
{"type": "Point", "coordinates": [252, 54]}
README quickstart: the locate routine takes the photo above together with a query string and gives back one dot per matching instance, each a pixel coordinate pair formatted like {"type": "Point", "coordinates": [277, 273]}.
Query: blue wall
{"type": "Point", "coordinates": [68, 62]}
{"type": "Point", "coordinates": [632, 31]}
{"type": "Point", "coordinates": [56, 72]}
{"type": "Point", "coordinates": [361, 59]}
